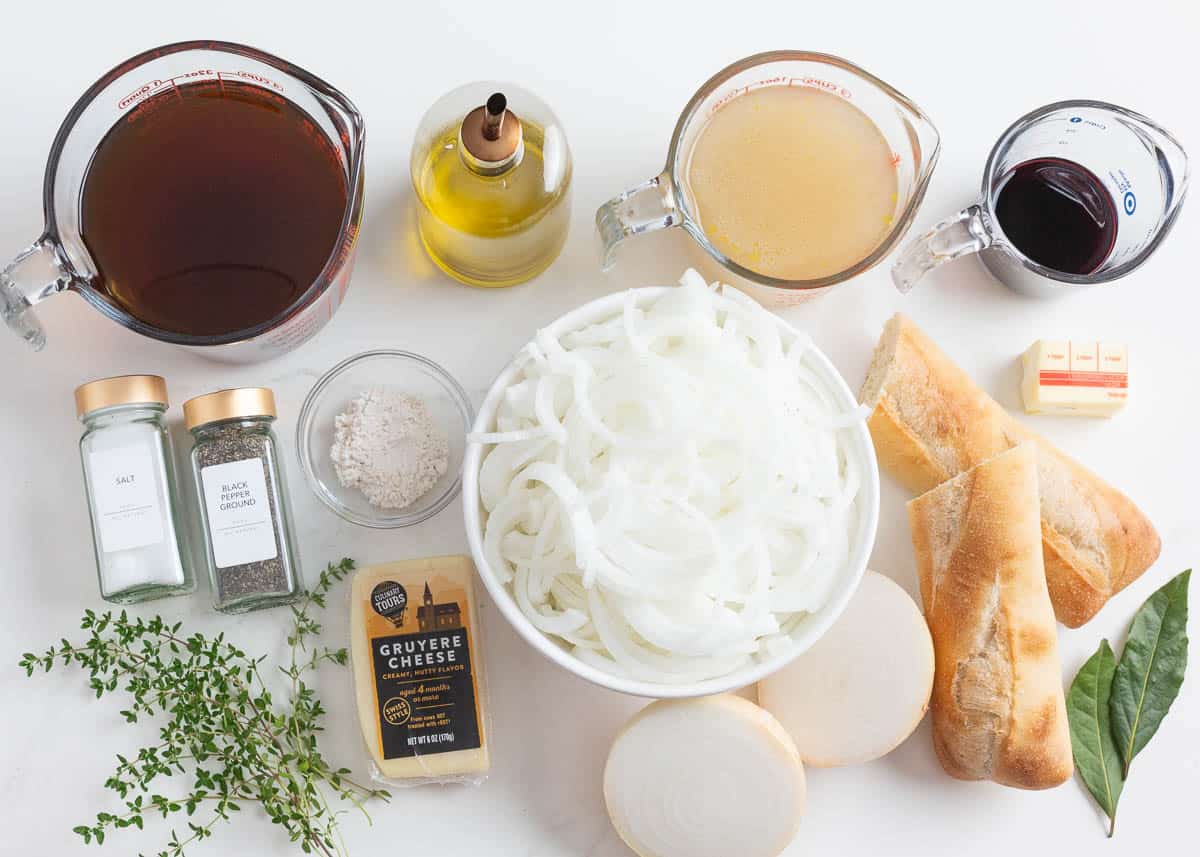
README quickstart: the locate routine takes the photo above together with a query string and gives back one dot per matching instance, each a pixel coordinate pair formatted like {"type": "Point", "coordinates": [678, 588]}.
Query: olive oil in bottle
{"type": "Point", "coordinates": [491, 171]}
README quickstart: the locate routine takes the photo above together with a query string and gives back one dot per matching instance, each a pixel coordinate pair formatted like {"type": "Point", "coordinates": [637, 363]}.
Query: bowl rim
{"type": "Point", "coordinates": [863, 540]}
{"type": "Point", "coordinates": [305, 423]}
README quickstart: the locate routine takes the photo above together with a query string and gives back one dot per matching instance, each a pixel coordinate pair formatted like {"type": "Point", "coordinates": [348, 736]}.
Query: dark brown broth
{"type": "Point", "coordinates": [211, 207]}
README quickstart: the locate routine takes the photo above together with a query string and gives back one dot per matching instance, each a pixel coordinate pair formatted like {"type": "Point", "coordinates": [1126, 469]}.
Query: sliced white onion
{"type": "Point", "coordinates": [514, 436]}
{"type": "Point", "coordinates": [670, 490]}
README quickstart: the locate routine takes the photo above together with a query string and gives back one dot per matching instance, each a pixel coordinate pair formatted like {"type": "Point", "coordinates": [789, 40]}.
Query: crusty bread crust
{"type": "Point", "coordinates": [997, 706]}
{"type": "Point", "coordinates": [930, 422]}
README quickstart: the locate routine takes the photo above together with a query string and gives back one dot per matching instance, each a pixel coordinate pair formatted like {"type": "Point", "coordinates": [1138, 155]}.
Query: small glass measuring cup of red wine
{"type": "Point", "coordinates": [1075, 193]}
{"type": "Point", "coordinates": [205, 194]}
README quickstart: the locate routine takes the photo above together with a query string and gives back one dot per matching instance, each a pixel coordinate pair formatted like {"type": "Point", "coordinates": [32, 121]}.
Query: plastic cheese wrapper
{"type": "Point", "coordinates": [418, 672]}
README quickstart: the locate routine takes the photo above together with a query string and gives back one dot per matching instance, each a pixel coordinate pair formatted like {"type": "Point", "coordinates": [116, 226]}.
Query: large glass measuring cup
{"type": "Point", "coordinates": [1133, 180]}
{"type": "Point", "coordinates": [60, 260]}
{"type": "Point", "coordinates": [667, 200]}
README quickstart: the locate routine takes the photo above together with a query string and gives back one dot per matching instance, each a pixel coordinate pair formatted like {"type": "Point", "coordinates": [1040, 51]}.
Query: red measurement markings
{"type": "Point", "coordinates": [726, 98]}
{"type": "Point", "coordinates": [1092, 375]}
{"type": "Point", "coordinates": [824, 85]}
{"type": "Point", "coordinates": [150, 87]}
{"type": "Point", "coordinates": [780, 80]}
{"type": "Point", "coordinates": [141, 92]}
{"type": "Point", "coordinates": [252, 77]}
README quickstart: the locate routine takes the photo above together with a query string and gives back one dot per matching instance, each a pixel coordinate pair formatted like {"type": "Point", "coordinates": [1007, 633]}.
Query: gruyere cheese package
{"type": "Point", "coordinates": [418, 671]}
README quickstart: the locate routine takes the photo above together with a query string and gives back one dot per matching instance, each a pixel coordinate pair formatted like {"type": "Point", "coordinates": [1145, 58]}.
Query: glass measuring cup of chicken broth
{"type": "Point", "coordinates": [205, 194]}
{"type": "Point", "coordinates": [791, 171]}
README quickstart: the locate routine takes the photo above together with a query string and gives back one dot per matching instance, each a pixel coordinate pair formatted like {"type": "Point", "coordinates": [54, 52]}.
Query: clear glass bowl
{"type": "Point", "coordinates": [404, 372]}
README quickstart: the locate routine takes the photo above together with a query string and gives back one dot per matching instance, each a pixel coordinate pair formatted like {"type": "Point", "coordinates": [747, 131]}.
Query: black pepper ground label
{"type": "Point", "coordinates": [260, 576]}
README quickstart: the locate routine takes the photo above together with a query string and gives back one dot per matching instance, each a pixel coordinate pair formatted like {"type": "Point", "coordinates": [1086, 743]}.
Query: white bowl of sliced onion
{"type": "Point", "coordinates": [670, 491]}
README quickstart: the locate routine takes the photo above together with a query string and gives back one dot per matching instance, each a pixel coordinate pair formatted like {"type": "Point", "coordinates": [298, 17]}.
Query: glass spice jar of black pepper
{"type": "Point", "coordinates": [248, 542]}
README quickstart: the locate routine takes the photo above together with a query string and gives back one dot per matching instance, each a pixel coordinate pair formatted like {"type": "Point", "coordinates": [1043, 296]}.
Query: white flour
{"type": "Point", "coordinates": [388, 446]}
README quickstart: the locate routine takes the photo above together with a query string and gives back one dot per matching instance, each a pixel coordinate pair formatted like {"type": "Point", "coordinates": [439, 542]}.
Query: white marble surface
{"type": "Point", "coordinates": [617, 73]}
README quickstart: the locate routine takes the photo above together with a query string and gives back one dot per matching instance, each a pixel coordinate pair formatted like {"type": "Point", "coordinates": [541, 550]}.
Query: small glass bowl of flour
{"type": "Point", "coordinates": [381, 438]}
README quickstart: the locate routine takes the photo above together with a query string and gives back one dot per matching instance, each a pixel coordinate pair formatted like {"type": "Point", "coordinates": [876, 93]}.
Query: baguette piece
{"type": "Point", "coordinates": [997, 706]}
{"type": "Point", "coordinates": [930, 422]}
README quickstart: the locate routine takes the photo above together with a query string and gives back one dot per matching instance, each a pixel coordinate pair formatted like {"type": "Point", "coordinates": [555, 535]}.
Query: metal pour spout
{"type": "Point", "coordinates": [491, 137]}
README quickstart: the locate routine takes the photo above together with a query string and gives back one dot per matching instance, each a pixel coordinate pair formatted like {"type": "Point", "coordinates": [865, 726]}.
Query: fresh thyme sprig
{"type": "Point", "coordinates": [224, 729]}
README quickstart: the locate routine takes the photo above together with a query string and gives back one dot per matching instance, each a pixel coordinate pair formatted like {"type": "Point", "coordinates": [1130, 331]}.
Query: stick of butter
{"type": "Point", "coordinates": [1068, 377]}
{"type": "Point", "coordinates": [418, 669]}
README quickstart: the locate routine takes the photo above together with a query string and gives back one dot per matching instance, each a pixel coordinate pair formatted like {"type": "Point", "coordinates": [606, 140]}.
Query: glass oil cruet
{"type": "Point", "coordinates": [491, 171]}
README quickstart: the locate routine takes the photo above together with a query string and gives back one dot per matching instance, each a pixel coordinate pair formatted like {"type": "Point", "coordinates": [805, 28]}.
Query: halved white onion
{"type": "Point", "coordinates": [864, 686]}
{"type": "Point", "coordinates": [710, 777]}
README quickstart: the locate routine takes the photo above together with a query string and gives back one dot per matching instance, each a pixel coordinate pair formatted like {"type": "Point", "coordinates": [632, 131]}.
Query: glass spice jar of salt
{"type": "Point", "coordinates": [129, 472]}
{"type": "Point", "coordinates": [248, 542]}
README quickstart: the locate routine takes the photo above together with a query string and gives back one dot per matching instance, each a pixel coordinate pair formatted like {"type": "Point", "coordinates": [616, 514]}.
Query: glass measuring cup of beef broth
{"type": "Point", "coordinates": [791, 171]}
{"type": "Point", "coordinates": [204, 194]}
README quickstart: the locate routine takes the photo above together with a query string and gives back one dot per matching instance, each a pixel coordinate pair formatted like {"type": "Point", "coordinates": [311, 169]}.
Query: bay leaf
{"type": "Point", "coordinates": [1150, 672]}
{"type": "Point", "coordinates": [1096, 756]}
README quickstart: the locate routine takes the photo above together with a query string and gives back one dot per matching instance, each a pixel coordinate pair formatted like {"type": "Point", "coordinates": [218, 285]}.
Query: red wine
{"type": "Point", "coordinates": [1058, 214]}
{"type": "Point", "coordinates": [212, 207]}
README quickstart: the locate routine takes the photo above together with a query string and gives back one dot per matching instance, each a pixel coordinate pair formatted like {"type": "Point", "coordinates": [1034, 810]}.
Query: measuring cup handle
{"type": "Point", "coordinates": [648, 207]}
{"type": "Point", "coordinates": [951, 239]}
{"type": "Point", "coordinates": [33, 276]}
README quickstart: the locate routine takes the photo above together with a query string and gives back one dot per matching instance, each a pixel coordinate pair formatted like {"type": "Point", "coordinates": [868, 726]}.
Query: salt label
{"type": "Point", "coordinates": [239, 513]}
{"type": "Point", "coordinates": [126, 493]}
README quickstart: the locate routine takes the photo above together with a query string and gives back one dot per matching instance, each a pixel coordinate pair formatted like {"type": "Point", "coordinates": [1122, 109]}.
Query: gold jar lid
{"type": "Point", "coordinates": [241, 403]}
{"type": "Point", "coordinates": [120, 390]}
